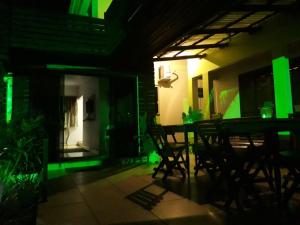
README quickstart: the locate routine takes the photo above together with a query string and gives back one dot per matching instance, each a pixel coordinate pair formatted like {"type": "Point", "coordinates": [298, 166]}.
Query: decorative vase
{"type": "Point", "coordinates": [266, 112]}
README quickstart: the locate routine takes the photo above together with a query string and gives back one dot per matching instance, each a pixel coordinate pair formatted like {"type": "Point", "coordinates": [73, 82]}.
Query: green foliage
{"type": "Point", "coordinates": [21, 171]}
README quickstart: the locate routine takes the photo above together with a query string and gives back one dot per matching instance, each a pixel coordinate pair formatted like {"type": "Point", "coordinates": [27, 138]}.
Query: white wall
{"type": "Point", "coordinates": [201, 67]}
{"type": "Point", "coordinates": [91, 128]}
{"type": "Point", "coordinates": [76, 133]}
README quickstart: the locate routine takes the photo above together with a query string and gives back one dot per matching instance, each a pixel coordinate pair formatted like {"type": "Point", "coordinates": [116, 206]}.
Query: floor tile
{"type": "Point", "coordinates": [197, 220]}
{"type": "Point", "coordinates": [133, 184]}
{"type": "Point", "coordinates": [179, 208]}
{"type": "Point", "coordinates": [94, 186]}
{"type": "Point", "coordinates": [63, 197]}
{"type": "Point", "coordinates": [111, 207]}
{"type": "Point", "coordinates": [104, 198]}
{"type": "Point", "coordinates": [70, 214]}
{"type": "Point", "coordinates": [167, 196]}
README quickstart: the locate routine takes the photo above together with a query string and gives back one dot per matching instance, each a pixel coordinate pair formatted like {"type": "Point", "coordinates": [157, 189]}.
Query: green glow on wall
{"type": "Point", "coordinates": [68, 67]}
{"type": "Point", "coordinates": [103, 6]}
{"type": "Point", "coordinates": [81, 7]}
{"type": "Point", "coordinates": [233, 110]}
{"type": "Point", "coordinates": [154, 157]}
{"type": "Point", "coordinates": [282, 87]}
{"type": "Point", "coordinates": [85, 4]}
{"type": "Point", "coordinates": [74, 6]}
{"type": "Point", "coordinates": [9, 97]}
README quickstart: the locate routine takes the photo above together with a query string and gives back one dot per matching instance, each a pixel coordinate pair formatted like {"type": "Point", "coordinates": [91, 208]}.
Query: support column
{"type": "Point", "coordinates": [282, 87]}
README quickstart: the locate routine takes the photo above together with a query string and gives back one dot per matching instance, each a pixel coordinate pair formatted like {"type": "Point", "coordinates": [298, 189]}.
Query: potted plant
{"type": "Point", "coordinates": [21, 170]}
{"type": "Point", "coordinates": [192, 116]}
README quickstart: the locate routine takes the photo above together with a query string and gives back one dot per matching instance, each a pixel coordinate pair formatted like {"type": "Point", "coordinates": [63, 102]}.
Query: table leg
{"type": "Point", "coordinates": [187, 155]}
{"type": "Point", "coordinates": [277, 177]}
{"type": "Point", "coordinates": [272, 143]}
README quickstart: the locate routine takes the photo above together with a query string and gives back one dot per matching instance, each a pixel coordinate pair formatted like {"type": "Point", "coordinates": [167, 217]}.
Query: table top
{"type": "Point", "coordinates": [243, 124]}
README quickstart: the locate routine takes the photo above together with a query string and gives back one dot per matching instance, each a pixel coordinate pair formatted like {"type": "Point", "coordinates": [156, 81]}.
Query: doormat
{"type": "Point", "coordinates": [147, 197]}
{"type": "Point", "coordinates": [69, 150]}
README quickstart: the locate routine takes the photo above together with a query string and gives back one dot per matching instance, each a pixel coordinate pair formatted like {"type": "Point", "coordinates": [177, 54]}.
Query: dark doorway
{"type": "Point", "coordinates": [45, 99]}
{"type": "Point", "coordinates": [256, 87]}
{"type": "Point", "coordinates": [123, 117]}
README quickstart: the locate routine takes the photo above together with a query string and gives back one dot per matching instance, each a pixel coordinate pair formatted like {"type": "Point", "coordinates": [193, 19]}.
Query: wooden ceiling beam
{"type": "Point", "coordinates": [179, 58]}
{"type": "Point", "coordinates": [266, 7]}
{"type": "Point", "coordinates": [191, 47]}
{"type": "Point", "coordinates": [224, 30]}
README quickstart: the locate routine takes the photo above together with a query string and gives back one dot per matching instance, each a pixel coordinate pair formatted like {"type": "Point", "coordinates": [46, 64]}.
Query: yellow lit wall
{"type": "Point", "coordinates": [198, 67]}
{"type": "Point", "coordinates": [173, 101]}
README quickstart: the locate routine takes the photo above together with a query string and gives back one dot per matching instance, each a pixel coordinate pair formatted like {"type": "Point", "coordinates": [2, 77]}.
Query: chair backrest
{"type": "Point", "coordinates": [208, 131]}
{"type": "Point", "coordinates": [158, 136]}
{"type": "Point", "coordinates": [210, 136]}
{"type": "Point", "coordinates": [242, 132]}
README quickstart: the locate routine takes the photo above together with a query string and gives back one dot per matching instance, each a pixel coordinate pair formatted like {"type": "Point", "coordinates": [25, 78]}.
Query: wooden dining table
{"type": "Point", "coordinates": [271, 128]}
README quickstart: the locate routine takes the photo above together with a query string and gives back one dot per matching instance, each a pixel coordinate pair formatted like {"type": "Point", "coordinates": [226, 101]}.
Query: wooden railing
{"type": "Point", "coordinates": [4, 24]}
{"type": "Point", "coordinates": [50, 31]}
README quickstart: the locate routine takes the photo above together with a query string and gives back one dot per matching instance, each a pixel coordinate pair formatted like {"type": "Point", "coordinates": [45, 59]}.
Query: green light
{"type": "Point", "coordinates": [74, 5]}
{"type": "Point", "coordinates": [72, 165]}
{"type": "Point", "coordinates": [233, 110]}
{"type": "Point", "coordinates": [79, 7]}
{"type": "Point", "coordinates": [282, 87]}
{"type": "Point", "coordinates": [84, 7]}
{"type": "Point", "coordinates": [138, 113]}
{"type": "Point", "coordinates": [60, 169]}
{"type": "Point", "coordinates": [9, 96]}
{"type": "Point", "coordinates": [154, 157]}
{"type": "Point", "coordinates": [68, 67]}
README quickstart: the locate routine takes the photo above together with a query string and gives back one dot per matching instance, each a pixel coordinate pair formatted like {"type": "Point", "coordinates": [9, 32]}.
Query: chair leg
{"type": "Point", "coordinates": [196, 168]}
{"type": "Point", "coordinates": [289, 192]}
{"type": "Point", "coordinates": [169, 167]}
{"type": "Point", "coordinates": [158, 168]}
{"type": "Point", "coordinates": [180, 168]}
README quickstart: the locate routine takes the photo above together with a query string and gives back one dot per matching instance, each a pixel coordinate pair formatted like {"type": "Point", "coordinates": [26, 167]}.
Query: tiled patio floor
{"type": "Point", "coordinates": [86, 198]}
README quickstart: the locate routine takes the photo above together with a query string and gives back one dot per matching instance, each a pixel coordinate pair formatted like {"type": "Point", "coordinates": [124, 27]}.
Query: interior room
{"type": "Point", "coordinates": [81, 116]}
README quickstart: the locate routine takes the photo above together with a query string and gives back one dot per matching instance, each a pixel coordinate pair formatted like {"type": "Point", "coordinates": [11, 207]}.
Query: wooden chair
{"type": "Point", "coordinates": [290, 159]}
{"type": "Point", "coordinates": [205, 142]}
{"type": "Point", "coordinates": [171, 153]}
{"type": "Point", "coordinates": [224, 162]}
{"type": "Point", "coordinates": [245, 158]}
